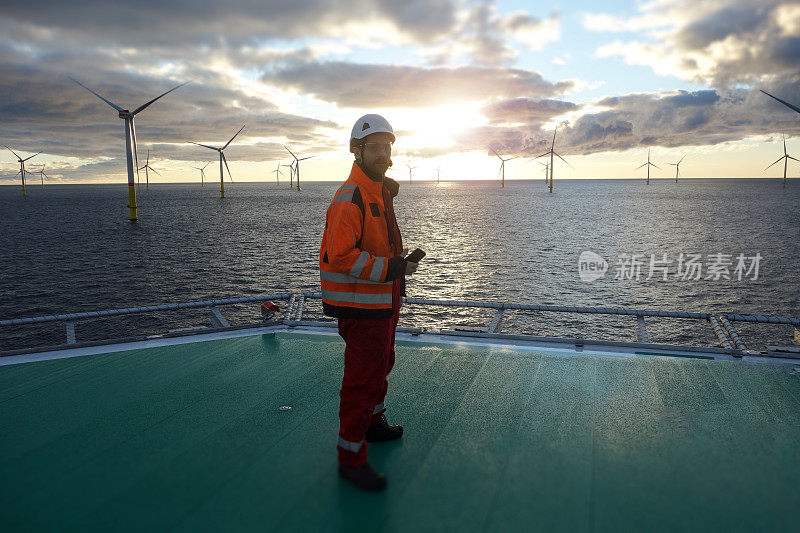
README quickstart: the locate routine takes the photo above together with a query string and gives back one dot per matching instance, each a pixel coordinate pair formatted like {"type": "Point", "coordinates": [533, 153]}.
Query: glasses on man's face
{"type": "Point", "coordinates": [379, 147]}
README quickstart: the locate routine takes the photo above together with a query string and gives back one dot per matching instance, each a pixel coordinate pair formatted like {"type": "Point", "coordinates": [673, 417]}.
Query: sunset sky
{"type": "Point", "coordinates": [454, 78]}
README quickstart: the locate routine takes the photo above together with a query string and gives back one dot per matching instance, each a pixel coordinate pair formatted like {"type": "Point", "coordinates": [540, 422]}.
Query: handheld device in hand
{"type": "Point", "coordinates": [416, 255]}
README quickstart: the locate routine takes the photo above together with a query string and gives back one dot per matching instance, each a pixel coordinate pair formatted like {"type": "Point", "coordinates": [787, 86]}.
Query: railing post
{"type": "Point", "coordinates": [217, 319]}
{"type": "Point", "coordinates": [732, 332]}
{"type": "Point", "coordinates": [71, 333]}
{"type": "Point", "coordinates": [289, 308]}
{"type": "Point", "coordinates": [720, 332]}
{"type": "Point", "coordinates": [641, 330]}
{"type": "Point", "coordinates": [300, 302]}
{"type": "Point", "coordinates": [495, 325]}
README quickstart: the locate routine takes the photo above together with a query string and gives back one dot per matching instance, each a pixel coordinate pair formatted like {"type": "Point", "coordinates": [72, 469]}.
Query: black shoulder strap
{"type": "Point", "coordinates": [358, 200]}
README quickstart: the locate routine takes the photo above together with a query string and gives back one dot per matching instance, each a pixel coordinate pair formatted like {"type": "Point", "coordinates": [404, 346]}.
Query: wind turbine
{"type": "Point", "coordinates": [222, 160]}
{"type": "Point", "coordinates": [502, 166]}
{"type": "Point", "coordinates": [42, 174]}
{"type": "Point", "coordinates": [438, 172]}
{"type": "Point", "coordinates": [546, 170]}
{"type": "Point", "coordinates": [278, 173]}
{"type": "Point", "coordinates": [410, 168]}
{"type": "Point", "coordinates": [202, 173]}
{"type": "Point", "coordinates": [551, 153]}
{"type": "Point", "coordinates": [130, 140]}
{"type": "Point", "coordinates": [22, 166]}
{"type": "Point", "coordinates": [297, 166]}
{"type": "Point", "coordinates": [787, 104]}
{"type": "Point", "coordinates": [291, 172]}
{"type": "Point", "coordinates": [147, 168]}
{"type": "Point", "coordinates": [786, 157]}
{"type": "Point", "coordinates": [648, 165]}
{"type": "Point", "coordinates": [677, 168]}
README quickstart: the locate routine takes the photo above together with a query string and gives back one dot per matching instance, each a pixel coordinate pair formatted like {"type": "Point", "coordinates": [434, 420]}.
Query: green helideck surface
{"type": "Point", "coordinates": [191, 437]}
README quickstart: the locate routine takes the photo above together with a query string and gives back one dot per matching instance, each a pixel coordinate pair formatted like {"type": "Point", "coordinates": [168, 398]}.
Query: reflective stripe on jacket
{"type": "Point", "coordinates": [359, 257]}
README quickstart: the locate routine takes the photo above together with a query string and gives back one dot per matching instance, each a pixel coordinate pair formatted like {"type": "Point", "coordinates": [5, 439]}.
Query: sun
{"type": "Point", "coordinates": [435, 127]}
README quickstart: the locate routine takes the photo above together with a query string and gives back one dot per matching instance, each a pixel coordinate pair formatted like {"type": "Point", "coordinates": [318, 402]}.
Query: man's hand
{"type": "Point", "coordinates": [410, 267]}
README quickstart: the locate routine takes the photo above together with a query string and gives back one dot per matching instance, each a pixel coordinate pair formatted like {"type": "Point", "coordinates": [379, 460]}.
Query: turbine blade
{"type": "Point", "coordinates": [204, 146]}
{"type": "Point", "coordinates": [225, 160]}
{"type": "Point", "coordinates": [495, 152]}
{"type": "Point", "coordinates": [232, 138]}
{"type": "Point", "coordinates": [112, 104]}
{"type": "Point", "coordinates": [658, 167]}
{"type": "Point", "coordinates": [682, 158]}
{"type": "Point", "coordinates": [544, 154]}
{"type": "Point", "coordinates": [295, 157]}
{"type": "Point", "coordinates": [154, 170]}
{"type": "Point", "coordinates": [15, 153]}
{"type": "Point", "coordinates": [778, 161]}
{"type": "Point", "coordinates": [790, 157]}
{"type": "Point", "coordinates": [34, 155]}
{"type": "Point", "coordinates": [135, 149]}
{"type": "Point", "coordinates": [304, 158]}
{"type": "Point", "coordinates": [640, 166]}
{"type": "Point", "coordinates": [787, 104]}
{"type": "Point", "coordinates": [564, 160]}
{"type": "Point", "coordinates": [143, 106]}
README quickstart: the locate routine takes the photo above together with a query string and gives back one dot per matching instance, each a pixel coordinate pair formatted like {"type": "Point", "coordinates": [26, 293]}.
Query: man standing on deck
{"type": "Point", "coordinates": [362, 271]}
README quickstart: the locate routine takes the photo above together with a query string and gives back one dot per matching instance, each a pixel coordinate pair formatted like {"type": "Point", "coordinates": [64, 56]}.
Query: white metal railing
{"type": "Point", "coordinates": [720, 324]}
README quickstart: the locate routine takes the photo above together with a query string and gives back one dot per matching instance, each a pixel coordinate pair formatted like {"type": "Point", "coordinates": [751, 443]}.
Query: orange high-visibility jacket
{"type": "Point", "coordinates": [360, 254]}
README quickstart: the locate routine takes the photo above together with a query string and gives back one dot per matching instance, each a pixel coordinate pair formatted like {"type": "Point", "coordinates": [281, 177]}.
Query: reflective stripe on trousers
{"type": "Point", "coordinates": [350, 446]}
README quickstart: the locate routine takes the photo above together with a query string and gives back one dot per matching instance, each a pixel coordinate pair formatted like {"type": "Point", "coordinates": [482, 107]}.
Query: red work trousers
{"type": "Point", "coordinates": [368, 359]}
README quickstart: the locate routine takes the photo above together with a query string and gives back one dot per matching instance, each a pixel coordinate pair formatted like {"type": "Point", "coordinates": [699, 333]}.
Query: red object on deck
{"type": "Point", "coordinates": [268, 309]}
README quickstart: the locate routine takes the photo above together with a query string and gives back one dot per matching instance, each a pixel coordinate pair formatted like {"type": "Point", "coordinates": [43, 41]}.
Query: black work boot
{"type": "Point", "coordinates": [363, 477]}
{"type": "Point", "coordinates": [381, 431]}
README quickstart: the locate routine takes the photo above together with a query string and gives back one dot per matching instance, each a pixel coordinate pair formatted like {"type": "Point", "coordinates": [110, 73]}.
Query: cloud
{"type": "Point", "coordinates": [211, 23]}
{"type": "Point", "coordinates": [485, 37]}
{"type": "Point", "coordinates": [373, 85]}
{"type": "Point", "coordinates": [526, 110]}
{"type": "Point", "coordinates": [676, 119]}
{"type": "Point", "coordinates": [721, 43]}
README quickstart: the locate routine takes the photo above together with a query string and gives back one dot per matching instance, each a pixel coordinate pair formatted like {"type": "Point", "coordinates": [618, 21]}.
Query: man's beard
{"type": "Point", "coordinates": [376, 174]}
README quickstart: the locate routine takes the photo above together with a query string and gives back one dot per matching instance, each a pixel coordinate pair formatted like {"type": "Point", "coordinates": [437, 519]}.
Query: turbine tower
{"type": "Point", "coordinates": [147, 168]}
{"type": "Point", "coordinates": [551, 153]}
{"type": "Point", "coordinates": [502, 166]}
{"type": "Point", "coordinates": [785, 158]}
{"type": "Point", "coordinates": [410, 168]}
{"type": "Point", "coordinates": [438, 174]}
{"type": "Point", "coordinates": [297, 166]}
{"type": "Point", "coordinates": [202, 173]}
{"type": "Point", "coordinates": [648, 165]}
{"type": "Point", "coordinates": [222, 160]}
{"type": "Point", "coordinates": [22, 167]}
{"type": "Point", "coordinates": [278, 173]}
{"type": "Point", "coordinates": [677, 167]}
{"type": "Point", "coordinates": [291, 173]}
{"type": "Point", "coordinates": [42, 174]}
{"type": "Point", "coordinates": [787, 104]}
{"type": "Point", "coordinates": [546, 171]}
{"type": "Point", "coordinates": [130, 141]}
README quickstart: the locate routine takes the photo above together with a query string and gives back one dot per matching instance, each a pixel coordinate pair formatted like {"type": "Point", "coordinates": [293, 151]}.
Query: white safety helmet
{"type": "Point", "coordinates": [369, 124]}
